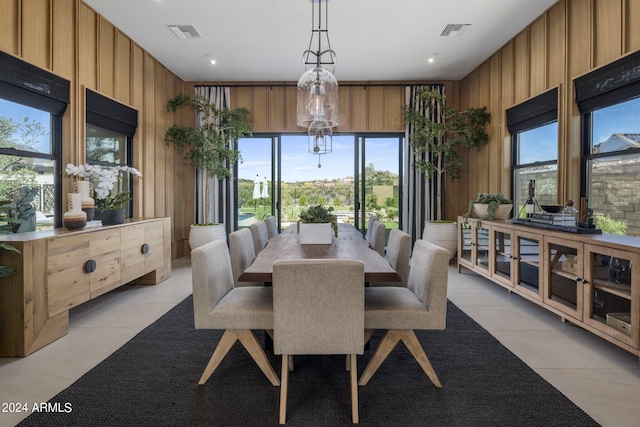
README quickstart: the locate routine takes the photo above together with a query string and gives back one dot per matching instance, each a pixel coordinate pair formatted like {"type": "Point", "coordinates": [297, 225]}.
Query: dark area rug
{"type": "Point", "coordinates": [152, 381]}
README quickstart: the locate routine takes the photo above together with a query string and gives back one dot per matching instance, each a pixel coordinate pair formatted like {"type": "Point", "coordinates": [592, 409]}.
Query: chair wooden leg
{"type": "Point", "coordinates": [224, 345]}
{"type": "Point", "coordinates": [387, 344]}
{"type": "Point", "coordinates": [250, 342]}
{"type": "Point", "coordinates": [355, 418]}
{"type": "Point", "coordinates": [411, 341]}
{"type": "Point", "coordinates": [284, 382]}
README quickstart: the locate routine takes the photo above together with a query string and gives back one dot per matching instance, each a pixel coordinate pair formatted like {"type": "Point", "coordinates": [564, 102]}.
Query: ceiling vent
{"type": "Point", "coordinates": [185, 31]}
{"type": "Point", "coordinates": [454, 30]}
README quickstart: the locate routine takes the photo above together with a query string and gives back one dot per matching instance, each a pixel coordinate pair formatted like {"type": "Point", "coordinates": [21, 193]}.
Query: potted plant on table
{"type": "Point", "coordinates": [435, 141]}
{"type": "Point", "coordinates": [317, 224]}
{"type": "Point", "coordinates": [208, 146]}
{"type": "Point", "coordinates": [109, 204]}
{"type": "Point", "coordinates": [490, 206]}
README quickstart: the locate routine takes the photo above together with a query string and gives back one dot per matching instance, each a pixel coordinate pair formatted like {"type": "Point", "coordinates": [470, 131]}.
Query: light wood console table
{"type": "Point", "coordinates": [592, 280]}
{"type": "Point", "coordinates": [60, 269]}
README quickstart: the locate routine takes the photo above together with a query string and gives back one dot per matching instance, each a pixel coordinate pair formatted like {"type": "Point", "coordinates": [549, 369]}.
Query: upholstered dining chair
{"type": "Point", "coordinates": [377, 236]}
{"type": "Point", "coordinates": [259, 235]}
{"type": "Point", "coordinates": [398, 254]}
{"type": "Point", "coordinates": [242, 255]}
{"type": "Point", "coordinates": [218, 305]}
{"type": "Point", "coordinates": [371, 219]}
{"type": "Point", "coordinates": [272, 226]}
{"type": "Point", "coordinates": [318, 308]}
{"type": "Point", "coordinates": [422, 305]}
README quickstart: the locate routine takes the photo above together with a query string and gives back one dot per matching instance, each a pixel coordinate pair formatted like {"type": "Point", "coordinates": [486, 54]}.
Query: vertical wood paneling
{"type": "Point", "coordinates": [394, 106]}
{"type": "Point", "coordinates": [63, 46]}
{"type": "Point", "coordinates": [632, 18]}
{"type": "Point", "coordinates": [521, 70]}
{"type": "Point", "coordinates": [277, 108]}
{"type": "Point", "coordinates": [608, 31]}
{"type": "Point", "coordinates": [376, 110]}
{"type": "Point", "coordinates": [344, 117]}
{"type": "Point", "coordinates": [87, 47]}
{"type": "Point", "coordinates": [260, 109]}
{"type": "Point", "coordinates": [556, 45]}
{"type": "Point", "coordinates": [36, 30]}
{"type": "Point", "coordinates": [357, 114]}
{"type": "Point", "coordinates": [159, 157]}
{"type": "Point", "coordinates": [106, 37]}
{"type": "Point", "coordinates": [537, 56]}
{"type": "Point", "coordinates": [10, 26]}
{"type": "Point", "coordinates": [291, 100]}
{"type": "Point", "coordinates": [148, 145]}
{"type": "Point", "coordinates": [123, 75]}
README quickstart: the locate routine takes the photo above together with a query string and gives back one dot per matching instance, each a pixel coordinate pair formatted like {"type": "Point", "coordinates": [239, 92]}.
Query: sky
{"type": "Point", "coordinates": [18, 112]}
{"type": "Point", "coordinates": [300, 165]}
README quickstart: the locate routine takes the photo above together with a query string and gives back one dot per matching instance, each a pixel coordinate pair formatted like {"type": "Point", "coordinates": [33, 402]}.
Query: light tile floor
{"type": "Point", "coordinates": [596, 375]}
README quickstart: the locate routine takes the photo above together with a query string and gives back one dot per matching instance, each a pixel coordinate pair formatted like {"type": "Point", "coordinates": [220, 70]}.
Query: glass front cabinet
{"type": "Point", "coordinates": [592, 280]}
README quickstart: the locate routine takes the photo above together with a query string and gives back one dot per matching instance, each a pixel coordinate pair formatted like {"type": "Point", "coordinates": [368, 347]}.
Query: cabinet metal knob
{"type": "Point", "coordinates": [145, 248]}
{"type": "Point", "coordinates": [90, 266]}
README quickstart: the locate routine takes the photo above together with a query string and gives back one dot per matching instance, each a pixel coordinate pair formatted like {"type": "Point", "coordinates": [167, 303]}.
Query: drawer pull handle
{"type": "Point", "coordinates": [145, 249]}
{"type": "Point", "coordinates": [90, 266]}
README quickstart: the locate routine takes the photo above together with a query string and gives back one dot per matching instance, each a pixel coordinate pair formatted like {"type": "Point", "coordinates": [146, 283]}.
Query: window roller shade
{"type": "Point", "coordinates": [535, 112]}
{"type": "Point", "coordinates": [108, 114]}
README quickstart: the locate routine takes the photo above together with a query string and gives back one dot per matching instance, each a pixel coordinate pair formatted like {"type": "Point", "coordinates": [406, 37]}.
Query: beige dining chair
{"type": "Point", "coordinates": [272, 226]}
{"type": "Point", "coordinates": [242, 255]}
{"type": "Point", "coordinates": [398, 254]}
{"type": "Point", "coordinates": [218, 305]}
{"type": "Point", "coordinates": [318, 308]}
{"type": "Point", "coordinates": [259, 235]}
{"type": "Point", "coordinates": [369, 223]}
{"type": "Point", "coordinates": [377, 236]}
{"type": "Point", "coordinates": [422, 305]}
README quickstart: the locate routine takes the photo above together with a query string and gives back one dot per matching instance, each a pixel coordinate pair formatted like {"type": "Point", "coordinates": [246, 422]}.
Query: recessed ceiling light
{"type": "Point", "coordinates": [213, 62]}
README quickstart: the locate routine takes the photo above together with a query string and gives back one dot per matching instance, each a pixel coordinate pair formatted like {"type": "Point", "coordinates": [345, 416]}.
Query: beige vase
{"type": "Point", "coordinates": [75, 218]}
{"type": "Point", "coordinates": [88, 203]}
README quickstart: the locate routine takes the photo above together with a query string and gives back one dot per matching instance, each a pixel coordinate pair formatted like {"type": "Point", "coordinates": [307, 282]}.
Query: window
{"type": "Point", "coordinates": [609, 100]}
{"type": "Point", "coordinates": [109, 138]}
{"type": "Point", "coordinates": [534, 134]}
{"type": "Point", "coordinates": [32, 102]}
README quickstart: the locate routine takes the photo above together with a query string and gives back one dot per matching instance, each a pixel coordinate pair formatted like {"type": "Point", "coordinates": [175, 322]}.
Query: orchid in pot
{"type": "Point", "coordinates": [104, 180]}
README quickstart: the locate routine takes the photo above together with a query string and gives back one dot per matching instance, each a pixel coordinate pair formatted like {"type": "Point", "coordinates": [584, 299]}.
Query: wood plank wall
{"type": "Point", "coordinates": [74, 42]}
{"type": "Point", "coordinates": [570, 39]}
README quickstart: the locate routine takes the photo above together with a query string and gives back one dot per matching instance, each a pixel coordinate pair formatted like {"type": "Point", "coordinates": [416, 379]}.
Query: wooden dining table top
{"type": "Point", "coordinates": [350, 244]}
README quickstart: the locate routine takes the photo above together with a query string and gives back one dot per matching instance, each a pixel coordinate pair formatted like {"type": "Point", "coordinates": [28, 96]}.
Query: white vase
{"type": "Point", "coordinates": [88, 204]}
{"type": "Point", "coordinates": [75, 218]}
{"type": "Point", "coordinates": [202, 234]}
{"type": "Point", "coordinates": [316, 234]}
{"type": "Point", "coordinates": [443, 234]}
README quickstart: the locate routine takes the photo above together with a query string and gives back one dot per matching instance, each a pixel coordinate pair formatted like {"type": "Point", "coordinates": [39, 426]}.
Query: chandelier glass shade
{"type": "Point", "coordinates": [317, 92]}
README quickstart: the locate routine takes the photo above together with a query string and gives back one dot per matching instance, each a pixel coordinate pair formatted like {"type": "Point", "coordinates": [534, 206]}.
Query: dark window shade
{"type": "Point", "coordinates": [612, 84]}
{"type": "Point", "coordinates": [108, 114]}
{"type": "Point", "coordinates": [26, 84]}
{"type": "Point", "coordinates": [536, 112]}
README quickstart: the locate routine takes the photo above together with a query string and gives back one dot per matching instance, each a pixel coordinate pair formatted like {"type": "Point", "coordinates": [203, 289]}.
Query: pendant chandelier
{"type": "Point", "coordinates": [317, 93]}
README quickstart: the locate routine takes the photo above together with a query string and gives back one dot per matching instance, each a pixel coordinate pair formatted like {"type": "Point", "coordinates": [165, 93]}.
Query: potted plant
{"type": "Point", "coordinates": [315, 225]}
{"type": "Point", "coordinates": [208, 147]}
{"type": "Point", "coordinates": [490, 206]}
{"type": "Point", "coordinates": [109, 205]}
{"type": "Point", "coordinates": [440, 136]}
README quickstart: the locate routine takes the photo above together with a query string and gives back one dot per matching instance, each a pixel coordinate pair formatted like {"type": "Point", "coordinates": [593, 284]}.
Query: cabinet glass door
{"type": "Point", "coordinates": [481, 256]}
{"type": "Point", "coordinates": [503, 256]}
{"type": "Point", "coordinates": [564, 278]}
{"type": "Point", "coordinates": [528, 264]}
{"type": "Point", "coordinates": [609, 300]}
{"type": "Point", "coordinates": [465, 242]}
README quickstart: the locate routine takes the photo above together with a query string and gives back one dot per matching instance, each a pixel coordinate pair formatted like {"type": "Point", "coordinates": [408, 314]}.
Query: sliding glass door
{"type": "Point", "coordinates": [361, 176]}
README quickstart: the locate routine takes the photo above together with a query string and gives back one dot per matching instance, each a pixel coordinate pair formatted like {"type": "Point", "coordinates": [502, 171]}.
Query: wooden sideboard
{"type": "Point", "coordinates": [592, 280]}
{"type": "Point", "coordinates": [60, 269]}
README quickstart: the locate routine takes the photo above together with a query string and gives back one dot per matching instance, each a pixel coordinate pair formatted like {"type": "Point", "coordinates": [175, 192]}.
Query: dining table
{"type": "Point", "coordinates": [349, 244]}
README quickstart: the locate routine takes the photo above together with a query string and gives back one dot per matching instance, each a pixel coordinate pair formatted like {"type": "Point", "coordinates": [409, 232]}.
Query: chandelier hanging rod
{"type": "Point", "coordinates": [319, 32]}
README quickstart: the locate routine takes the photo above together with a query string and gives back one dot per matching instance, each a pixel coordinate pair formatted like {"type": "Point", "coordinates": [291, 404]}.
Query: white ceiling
{"type": "Point", "coordinates": [263, 40]}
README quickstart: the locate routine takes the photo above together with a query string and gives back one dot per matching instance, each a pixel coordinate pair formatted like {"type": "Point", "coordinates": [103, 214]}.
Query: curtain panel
{"type": "Point", "coordinates": [418, 199]}
{"type": "Point", "coordinates": [221, 196]}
